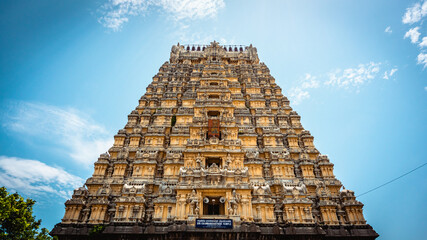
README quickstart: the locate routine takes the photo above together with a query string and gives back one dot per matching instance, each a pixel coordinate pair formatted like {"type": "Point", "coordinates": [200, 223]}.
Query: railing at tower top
{"type": "Point", "coordinates": [227, 48]}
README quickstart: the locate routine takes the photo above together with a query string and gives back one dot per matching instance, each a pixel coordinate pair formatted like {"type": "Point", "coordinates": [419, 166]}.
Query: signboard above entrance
{"type": "Point", "coordinates": [214, 223]}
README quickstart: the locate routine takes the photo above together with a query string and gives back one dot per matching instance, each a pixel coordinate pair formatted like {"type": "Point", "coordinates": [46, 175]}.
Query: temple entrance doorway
{"type": "Point", "coordinates": [213, 206]}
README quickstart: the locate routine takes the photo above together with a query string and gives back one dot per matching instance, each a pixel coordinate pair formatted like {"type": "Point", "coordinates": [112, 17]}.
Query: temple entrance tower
{"type": "Point", "coordinates": [213, 150]}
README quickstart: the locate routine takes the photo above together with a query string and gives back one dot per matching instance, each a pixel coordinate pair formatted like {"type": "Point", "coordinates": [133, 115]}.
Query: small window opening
{"type": "Point", "coordinates": [211, 160]}
{"type": "Point", "coordinates": [173, 121]}
{"type": "Point", "coordinates": [213, 113]}
{"type": "Point", "coordinates": [213, 96]}
{"type": "Point", "coordinates": [213, 84]}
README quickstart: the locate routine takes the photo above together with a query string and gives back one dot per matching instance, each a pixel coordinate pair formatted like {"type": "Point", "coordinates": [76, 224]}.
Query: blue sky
{"type": "Point", "coordinates": [355, 71]}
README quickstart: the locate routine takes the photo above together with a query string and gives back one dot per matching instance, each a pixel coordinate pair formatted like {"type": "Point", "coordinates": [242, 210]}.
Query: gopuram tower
{"type": "Point", "coordinates": [213, 151]}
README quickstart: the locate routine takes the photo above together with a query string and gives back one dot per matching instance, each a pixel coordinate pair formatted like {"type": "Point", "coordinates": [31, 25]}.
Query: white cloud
{"type": "Point", "coordinates": [184, 33]}
{"type": "Point", "coordinates": [80, 137]}
{"type": "Point", "coordinates": [310, 82]}
{"type": "Point", "coordinates": [297, 95]}
{"type": "Point", "coordinates": [422, 59]}
{"type": "Point", "coordinates": [388, 30]}
{"type": "Point", "coordinates": [412, 15]}
{"type": "Point", "coordinates": [353, 77]}
{"type": "Point", "coordinates": [423, 42]}
{"type": "Point", "coordinates": [32, 177]}
{"type": "Point", "coordinates": [350, 78]}
{"type": "Point", "coordinates": [115, 13]}
{"type": "Point", "coordinates": [415, 13]}
{"type": "Point", "coordinates": [192, 9]}
{"type": "Point", "coordinates": [425, 88]}
{"type": "Point", "coordinates": [300, 93]}
{"type": "Point", "coordinates": [389, 74]}
{"type": "Point", "coordinates": [413, 34]}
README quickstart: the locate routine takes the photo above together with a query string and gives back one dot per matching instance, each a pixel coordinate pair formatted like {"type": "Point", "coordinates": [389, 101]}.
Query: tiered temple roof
{"type": "Point", "coordinates": [213, 138]}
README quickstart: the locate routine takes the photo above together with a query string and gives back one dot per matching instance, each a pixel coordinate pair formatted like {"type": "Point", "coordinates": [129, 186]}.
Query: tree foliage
{"type": "Point", "coordinates": [17, 220]}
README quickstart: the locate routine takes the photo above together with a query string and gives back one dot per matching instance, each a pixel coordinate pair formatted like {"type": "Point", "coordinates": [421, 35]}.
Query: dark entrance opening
{"type": "Point", "coordinates": [213, 209]}
{"type": "Point", "coordinates": [211, 160]}
{"type": "Point", "coordinates": [213, 113]}
{"type": "Point", "coordinates": [213, 206]}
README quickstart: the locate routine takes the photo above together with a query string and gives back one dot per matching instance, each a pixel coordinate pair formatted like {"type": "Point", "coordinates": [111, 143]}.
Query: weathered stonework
{"type": "Point", "coordinates": [213, 138]}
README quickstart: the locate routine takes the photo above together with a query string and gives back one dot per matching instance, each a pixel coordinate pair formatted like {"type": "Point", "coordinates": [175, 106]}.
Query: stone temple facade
{"type": "Point", "coordinates": [213, 150]}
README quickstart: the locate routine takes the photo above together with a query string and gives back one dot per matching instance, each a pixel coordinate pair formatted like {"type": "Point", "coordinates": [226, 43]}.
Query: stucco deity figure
{"type": "Point", "coordinates": [225, 132]}
{"type": "Point", "coordinates": [197, 210]}
{"type": "Point", "coordinates": [194, 202]}
{"type": "Point", "coordinates": [234, 202]}
{"type": "Point", "coordinates": [139, 154]}
{"type": "Point", "coordinates": [199, 160]}
{"type": "Point", "coordinates": [174, 53]}
{"type": "Point", "coordinates": [230, 210]}
{"type": "Point", "coordinates": [194, 134]}
{"type": "Point", "coordinates": [202, 134]}
{"type": "Point", "coordinates": [124, 153]}
{"type": "Point", "coordinates": [228, 160]}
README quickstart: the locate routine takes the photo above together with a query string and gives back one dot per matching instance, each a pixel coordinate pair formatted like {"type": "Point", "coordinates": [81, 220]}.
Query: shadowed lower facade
{"type": "Point", "coordinates": [213, 151]}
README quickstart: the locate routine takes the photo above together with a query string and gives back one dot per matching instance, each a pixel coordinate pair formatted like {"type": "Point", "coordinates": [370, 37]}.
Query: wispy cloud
{"type": "Point", "coordinates": [348, 79]}
{"type": "Point", "coordinates": [415, 13]}
{"type": "Point", "coordinates": [34, 178]}
{"type": "Point", "coordinates": [423, 42]}
{"type": "Point", "coordinates": [353, 77]}
{"type": "Point", "coordinates": [115, 13]}
{"type": "Point", "coordinates": [389, 74]}
{"type": "Point", "coordinates": [388, 30]}
{"type": "Point", "coordinates": [422, 59]}
{"type": "Point", "coordinates": [301, 92]}
{"type": "Point", "coordinates": [192, 9]}
{"type": "Point", "coordinates": [81, 137]}
{"type": "Point", "coordinates": [413, 34]}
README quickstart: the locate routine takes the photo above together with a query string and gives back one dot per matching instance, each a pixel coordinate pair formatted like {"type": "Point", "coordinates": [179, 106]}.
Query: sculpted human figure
{"type": "Point", "coordinates": [199, 160]}
{"type": "Point", "coordinates": [194, 134]}
{"type": "Point", "coordinates": [124, 153]}
{"type": "Point", "coordinates": [139, 154]}
{"type": "Point", "coordinates": [234, 201]}
{"type": "Point", "coordinates": [197, 210]}
{"type": "Point", "coordinates": [230, 210]}
{"type": "Point", "coordinates": [202, 134]}
{"type": "Point", "coordinates": [225, 132]}
{"type": "Point", "coordinates": [194, 201]}
{"type": "Point", "coordinates": [238, 163]}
